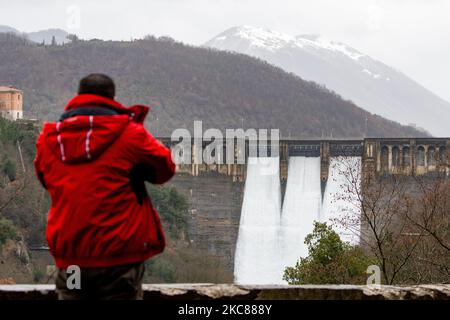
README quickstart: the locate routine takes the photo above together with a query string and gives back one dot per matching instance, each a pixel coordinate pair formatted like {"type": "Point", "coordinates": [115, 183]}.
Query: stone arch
{"type": "Point", "coordinates": [384, 158]}
{"type": "Point", "coordinates": [406, 156]}
{"type": "Point", "coordinates": [442, 155]}
{"type": "Point", "coordinates": [395, 157]}
{"type": "Point", "coordinates": [431, 155]}
{"type": "Point", "coordinates": [420, 156]}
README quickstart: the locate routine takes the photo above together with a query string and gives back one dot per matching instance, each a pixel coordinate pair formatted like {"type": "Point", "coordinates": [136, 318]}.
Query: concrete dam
{"type": "Point", "coordinates": [261, 210]}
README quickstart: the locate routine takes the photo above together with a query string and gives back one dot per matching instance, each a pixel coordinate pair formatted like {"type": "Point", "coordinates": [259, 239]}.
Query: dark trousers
{"type": "Point", "coordinates": [112, 283]}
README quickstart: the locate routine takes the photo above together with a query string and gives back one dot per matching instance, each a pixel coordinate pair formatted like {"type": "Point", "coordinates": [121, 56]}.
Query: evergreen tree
{"type": "Point", "coordinates": [330, 260]}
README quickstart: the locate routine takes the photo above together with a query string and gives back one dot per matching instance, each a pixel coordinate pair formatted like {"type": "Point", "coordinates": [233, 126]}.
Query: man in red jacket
{"type": "Point", "coordinates": [93, 162]}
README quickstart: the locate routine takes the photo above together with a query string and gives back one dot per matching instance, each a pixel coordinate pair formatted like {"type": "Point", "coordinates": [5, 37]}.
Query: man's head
{"type": "Point", "coordinates": [98, 84]}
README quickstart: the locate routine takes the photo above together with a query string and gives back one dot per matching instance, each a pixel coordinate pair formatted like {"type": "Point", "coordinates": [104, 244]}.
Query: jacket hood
{"type": "Point", "coordinates": [83, 138]}
{"type": "Point", "coordinates": [136, 112]}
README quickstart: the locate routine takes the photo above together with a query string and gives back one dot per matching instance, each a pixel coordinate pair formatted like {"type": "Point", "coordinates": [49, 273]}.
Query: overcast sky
{"type": "Point", "coordinates": [411, 35]}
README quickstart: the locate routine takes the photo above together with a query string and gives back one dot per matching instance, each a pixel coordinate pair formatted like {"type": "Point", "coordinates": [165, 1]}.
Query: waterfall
{"type": "Point", "coordinates": [269, 241]}
{"type": "Point", "coordinates": [301, 207]}
{"type": "Point", "coordinates": [257, 251]}
{"type": "Point", "coordinates": [340, 206]}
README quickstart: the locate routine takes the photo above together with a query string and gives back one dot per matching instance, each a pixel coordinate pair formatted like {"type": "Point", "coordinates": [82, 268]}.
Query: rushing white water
{"type": "Point", "coordinates": [340, 206]}
{"type": "Point", "coordinates": [269, 242]}
{"type": "Point", "coordinates": [257, 251]}
{"type": "Point", "coordinates": [301, 207]}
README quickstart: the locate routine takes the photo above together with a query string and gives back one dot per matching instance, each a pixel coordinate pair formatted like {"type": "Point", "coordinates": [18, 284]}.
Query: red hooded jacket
{"type": "Point", "coordinates": [97, 218]}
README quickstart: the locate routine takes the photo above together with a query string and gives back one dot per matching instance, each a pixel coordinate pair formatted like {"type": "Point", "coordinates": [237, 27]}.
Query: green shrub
{"type": "Point", "coordinates": [12, 132]}
{"type": "Point", "coordinates": [8, 231]}
{"type": "Point", "coordinates": [38, 275]}
{"type": "Point", "coordinates": [171, 205]}
{"type": "Point", "coordinates": [330, 261]}
{"type": "Point", "coordinates": [8, 168]}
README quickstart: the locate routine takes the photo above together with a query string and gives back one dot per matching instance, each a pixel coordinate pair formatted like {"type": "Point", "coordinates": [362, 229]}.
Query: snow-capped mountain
{"type": "Point", "coordinates": [369, 83]}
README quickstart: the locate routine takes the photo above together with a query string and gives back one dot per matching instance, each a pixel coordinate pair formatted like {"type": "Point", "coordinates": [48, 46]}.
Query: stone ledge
{"type": "Point", "coordinates": [197, 291]}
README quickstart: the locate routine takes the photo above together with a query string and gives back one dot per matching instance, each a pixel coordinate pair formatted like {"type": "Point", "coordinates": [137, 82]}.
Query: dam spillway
{"type": "Point", "coordinates": [272, 237]}
{"type": "Point", "coordinates": [341, 207]}
{"type": "Point", "coordinates": [378, 157]}
{"type": "Point", "coordinates": [257, 249]}
{"type": "Point", "coordinates": [301, 207]}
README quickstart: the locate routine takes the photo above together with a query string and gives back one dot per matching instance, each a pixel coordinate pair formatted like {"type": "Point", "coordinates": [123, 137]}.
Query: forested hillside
{"type": "Point", "coordinates": [183, 84]}
{"type": "Point", "coordinates": [22, 202]}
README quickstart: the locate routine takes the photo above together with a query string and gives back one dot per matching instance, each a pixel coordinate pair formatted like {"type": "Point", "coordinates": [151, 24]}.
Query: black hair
{"type": "Point", "coordinates": [99, 84]}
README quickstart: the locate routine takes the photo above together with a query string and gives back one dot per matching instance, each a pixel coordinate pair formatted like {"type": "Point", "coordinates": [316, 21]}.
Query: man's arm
{"type": "Point", "coordinates": [152, 157]}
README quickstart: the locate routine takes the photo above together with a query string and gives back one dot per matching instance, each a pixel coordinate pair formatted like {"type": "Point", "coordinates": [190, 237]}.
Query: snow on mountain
{"type": "Point", "coordinates": [369, 83]}
{"type": "Point", "coordinates": [259, 37]}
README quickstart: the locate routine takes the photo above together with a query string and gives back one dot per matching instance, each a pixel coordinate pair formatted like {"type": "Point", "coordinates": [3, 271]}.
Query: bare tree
{"type": "Point", "coordinates": [428, 210]}
{"type": "Point", "coordinates": [404, 221]}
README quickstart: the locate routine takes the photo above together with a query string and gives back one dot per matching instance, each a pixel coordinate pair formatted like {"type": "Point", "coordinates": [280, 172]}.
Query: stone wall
{"type": "Point", "coordinates": [214, 211]}
{"type": "Point", "coordinates": [235, 292]}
